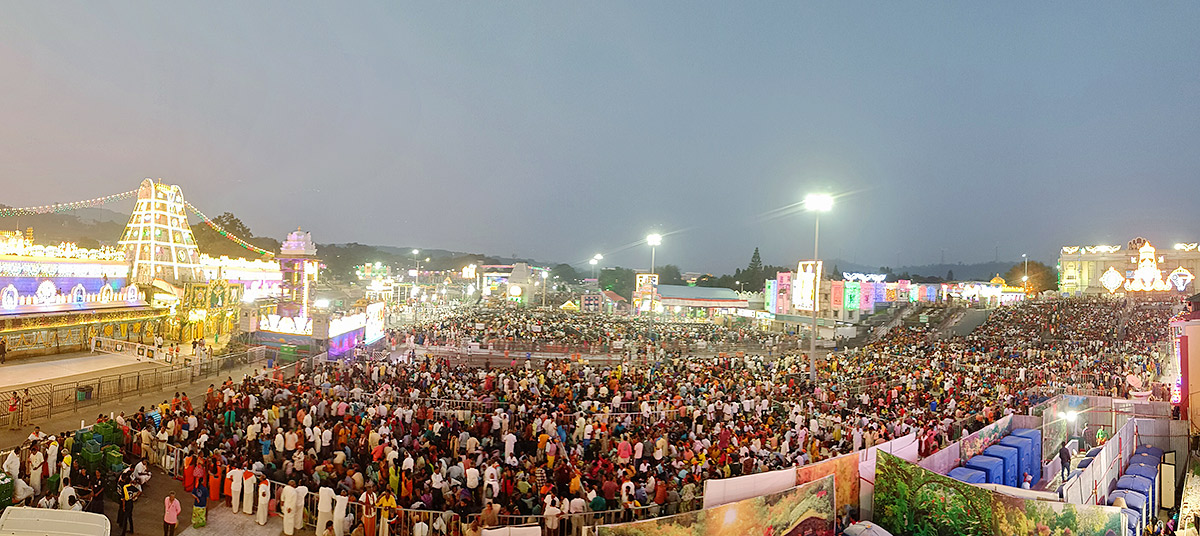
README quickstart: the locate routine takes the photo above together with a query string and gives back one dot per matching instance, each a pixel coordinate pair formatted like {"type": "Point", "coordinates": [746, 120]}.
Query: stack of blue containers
{"type": "Point", "coordinates": [1135, 508]}
{"type": "Point", "coordinates": [1026, 456]}
{"type": "Point", "coordinates": [991, 466]}
{"type": "Point", "coordinates": [970, 476]}
{"type": "Point", "coordinates": [1012, 462]}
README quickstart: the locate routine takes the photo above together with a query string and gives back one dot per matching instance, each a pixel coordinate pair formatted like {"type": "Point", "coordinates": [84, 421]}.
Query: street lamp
{"type": "Point", "coordinates": [816, 203]}
{"type": "Point", "coordinates": [545, 274]}
{"type": "Point", "coordinates": [653, 240]}
{"type": "Point", "coordinates": [741, 286]}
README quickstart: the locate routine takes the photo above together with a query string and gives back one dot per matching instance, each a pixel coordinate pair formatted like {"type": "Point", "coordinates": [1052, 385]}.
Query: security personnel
{"type": "Point", "coordinates": [129, 493]}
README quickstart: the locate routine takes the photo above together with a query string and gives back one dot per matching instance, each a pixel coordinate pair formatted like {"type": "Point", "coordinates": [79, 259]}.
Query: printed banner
{"type": "Point", "coordinates": [913, 500]}
{"type": "Point", "coordinates": [845, 468]}
{"type": "Point", "coordinates": [837, 289]}
{"type": "Point", "coordinates": [802, 510]}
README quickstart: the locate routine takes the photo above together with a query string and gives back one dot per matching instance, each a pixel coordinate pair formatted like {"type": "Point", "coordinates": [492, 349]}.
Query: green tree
{"type": "Point", "coordinates": [212, 243]}
{"type": "Point", "coordinates": [619, 280]}
{"type": "Point", "coordinates": [1041, 277]}
{"type": "Point", "coordinates": [670, 275]}
{"type": "Point", "coordinates": [564, 272]}
{"type": "Point", "coordinates": [950, 275]}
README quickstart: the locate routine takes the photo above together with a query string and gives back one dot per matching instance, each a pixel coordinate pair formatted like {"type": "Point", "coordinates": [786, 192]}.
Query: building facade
{"type": "Point", "coordinates": [1136, 267]}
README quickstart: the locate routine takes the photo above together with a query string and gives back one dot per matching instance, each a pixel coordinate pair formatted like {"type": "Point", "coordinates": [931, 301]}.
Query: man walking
{"type": "Point", "coordinates": [171, 509]}
{"type": "Point", "coordinates": [129, 493]}
{"type": "Point", "coordinates": [1064, 456]}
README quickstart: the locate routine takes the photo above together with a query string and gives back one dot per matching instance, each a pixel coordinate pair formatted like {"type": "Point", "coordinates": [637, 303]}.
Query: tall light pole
{"type": "Point", "coordinates": [1025, 278]}
{"type": "Point", "coordinates": [816, 203]}
{"type": "Point", "coordinates": [595, 261]}
{"type": "Point", "coordinates": [545, 274]}
{"type": "Point", "coordinates": [741, 286]}
{"type": "Point", "coordinates": [417, 267]}
{"type": "Point", "coordinates": [653, 240]}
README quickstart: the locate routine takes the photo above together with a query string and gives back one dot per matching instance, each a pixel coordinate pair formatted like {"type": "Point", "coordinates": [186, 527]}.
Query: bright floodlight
{"type": "Point", "coordinates": [593, 262]}
{"type": "Point", "coordinates": [598, 257]}
{"type": "Point", "coordinates": [321, 303]}
{"type": "Point", "coordinates": [818, 202]}
{"type": "Point", "coordinates": [654, 239]}
{"type": "Point", "coordinates": [1024, 278]}
{"type": "Point", "coordinates": [545, 274]}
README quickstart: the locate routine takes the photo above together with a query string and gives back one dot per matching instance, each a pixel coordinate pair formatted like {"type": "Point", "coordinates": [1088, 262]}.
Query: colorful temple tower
{"type": "Point", "coordinates": [300, 266]}
{"type": "Point", "coordinates": [158, 242]}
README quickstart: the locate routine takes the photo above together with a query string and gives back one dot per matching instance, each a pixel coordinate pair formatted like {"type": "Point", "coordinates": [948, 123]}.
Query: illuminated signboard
{"type": "Point", "coordinates": [769, 295]}
{"type": "Point", "coordinates": [1147, 277]}
{"type": "Point", "coordinates": [804, 286]}
{"type": "Point", "coordinates": [866, 300]}
{"type": "Point", "coordinates": [850, 296]}
{"type": "Point", "coordinates": [783, 290]}
{"type": "Point", "coordinates": [1177, 387]}
{"type": "Point", "coordinates": [1180, 278]}
{"type": "Point", "coordinates": [376, 314]}
{"type": "Point", "coordinates": [836, 291]}
{"type": "Point", "coordinates": [646, 287]}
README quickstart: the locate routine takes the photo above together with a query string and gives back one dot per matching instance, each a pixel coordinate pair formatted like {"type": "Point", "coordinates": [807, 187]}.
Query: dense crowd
{"type": "Point", "coordinates": [600, 332]}
{"type": "Point", "coordinates": [483, 446]}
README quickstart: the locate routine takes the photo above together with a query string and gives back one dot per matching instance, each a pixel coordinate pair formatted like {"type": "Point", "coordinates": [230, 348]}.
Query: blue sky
{"type": "Point", "coordinates": [557, 130]}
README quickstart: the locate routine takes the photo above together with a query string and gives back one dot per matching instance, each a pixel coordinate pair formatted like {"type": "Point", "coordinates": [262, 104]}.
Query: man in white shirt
{"type": "Point", "coordinates": [66, 494]}
{"type": "Point", "coordinates": [325, 497]}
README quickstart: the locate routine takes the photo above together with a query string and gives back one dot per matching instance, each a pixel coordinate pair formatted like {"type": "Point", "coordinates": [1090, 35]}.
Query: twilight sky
{"type": "Point", "coordinates": [560, 129]}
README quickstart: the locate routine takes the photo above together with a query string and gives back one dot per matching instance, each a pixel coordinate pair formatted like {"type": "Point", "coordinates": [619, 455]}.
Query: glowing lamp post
{"type": "Point", "coordinates": [816, 203]}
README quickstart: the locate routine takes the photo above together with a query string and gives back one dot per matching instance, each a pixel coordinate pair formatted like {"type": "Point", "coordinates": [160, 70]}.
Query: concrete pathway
{"type": "Point", "coordinates": [65, 368]}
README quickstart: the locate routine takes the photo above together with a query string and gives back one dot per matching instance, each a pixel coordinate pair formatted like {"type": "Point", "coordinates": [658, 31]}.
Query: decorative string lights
{"type": "Point", "coordinates": [58, 208]}
{"type": "Point", "coordinates": [220, 230]}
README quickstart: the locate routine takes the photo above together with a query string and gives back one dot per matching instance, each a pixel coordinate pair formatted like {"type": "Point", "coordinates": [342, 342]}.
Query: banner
{"type": "Point", "coordinates": [783, 285]}
{"type": "Point", "coordinates": [769, 297]}
{"type": "Point", "coordinates": [960, 451]}
{"type": "Point", "coordinates": [727, 490]}
{"type": "Point", "coordinates": [844, 468]}
{"type": "Point", "coordinates": [802, 510]}
{"type": "Point", "coordinates": [906, 447]}
{"type": "Point", "coordinates": [913, 500]}
{"type": "Point", "coordinates": [850, 296]}
{"type": "Point", "coordinates": [1061, 421]}
{"type": "Point", "coordinates": [867, 297]}
{"type": "Point", "coordinates": [881, 293]}
{"type": "Point", "coordinates": [804, 286]}
{"type": "Point", "coordinates": [836, 290]}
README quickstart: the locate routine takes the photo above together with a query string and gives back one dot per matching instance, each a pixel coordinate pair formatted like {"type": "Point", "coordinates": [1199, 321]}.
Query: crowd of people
{"type": "Point", "coordinates": [413, 444]}
{"type": "Point", "coordinates": [596, 332]}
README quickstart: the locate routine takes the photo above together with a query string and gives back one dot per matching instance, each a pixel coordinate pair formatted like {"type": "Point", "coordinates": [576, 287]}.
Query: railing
{"type": "Point", "coordinates": [50, 399]}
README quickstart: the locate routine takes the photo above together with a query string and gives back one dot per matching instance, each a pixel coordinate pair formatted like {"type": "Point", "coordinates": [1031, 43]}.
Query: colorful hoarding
{"type": "Point", "coordinates": [804, 286]}
{"type": "Point", "coordinates": [837, 291]}
{"type": "Point", "coordinates": [850, 295]}
{"type": "Point", "coordinates": [769, 296]}
{"type": "Point", "coordinates": [913, 500]}
{"type": "Point", "coordinates": [803, 510]}
{"type": "Point", "coordinates": [783, 287]}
